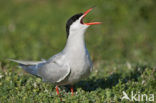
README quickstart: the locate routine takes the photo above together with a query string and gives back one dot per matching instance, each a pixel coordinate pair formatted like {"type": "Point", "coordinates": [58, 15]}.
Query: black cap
{"type": "Point", "coordinates": [71, 20]}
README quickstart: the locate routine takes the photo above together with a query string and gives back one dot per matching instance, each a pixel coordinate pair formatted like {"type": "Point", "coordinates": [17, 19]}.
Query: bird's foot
{"type": "Point", "coordinates": [57, 91]}
{"type": "Point", "coordinates": [72, 90]}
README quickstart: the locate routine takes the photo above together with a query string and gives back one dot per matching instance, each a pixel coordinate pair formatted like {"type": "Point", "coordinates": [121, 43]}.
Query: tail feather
{"type": "Point", "coordinates": [29, 66]}
{"type": "Point", "coordinates": [32, 69]}
{"type": "Point", "coordinates": [26, 62]}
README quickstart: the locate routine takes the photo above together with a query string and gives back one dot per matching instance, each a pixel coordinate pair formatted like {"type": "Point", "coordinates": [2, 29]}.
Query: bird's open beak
{"type": "Point", "coordinates": [85, 13]}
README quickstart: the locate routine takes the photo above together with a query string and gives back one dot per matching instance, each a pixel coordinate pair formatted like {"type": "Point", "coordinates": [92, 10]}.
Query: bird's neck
{"type": "Point", "coordinates": [75, 41]}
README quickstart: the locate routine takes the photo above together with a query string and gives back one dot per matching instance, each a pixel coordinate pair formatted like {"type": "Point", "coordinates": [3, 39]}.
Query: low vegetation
{"type": "Point", "coordinates": [123, 49]}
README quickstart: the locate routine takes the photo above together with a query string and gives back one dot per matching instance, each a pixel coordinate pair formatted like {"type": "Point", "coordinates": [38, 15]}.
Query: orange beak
{"type": "Point", "coordinates": [92, 23]}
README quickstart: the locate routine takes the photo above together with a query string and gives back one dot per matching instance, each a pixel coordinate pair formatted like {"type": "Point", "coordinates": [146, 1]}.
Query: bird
{"type": "Point", "coordinates": [70, 65]}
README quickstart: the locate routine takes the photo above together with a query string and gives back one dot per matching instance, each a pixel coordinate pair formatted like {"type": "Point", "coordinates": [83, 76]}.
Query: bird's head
{"type": "Point", "coordinates": [75, 23]}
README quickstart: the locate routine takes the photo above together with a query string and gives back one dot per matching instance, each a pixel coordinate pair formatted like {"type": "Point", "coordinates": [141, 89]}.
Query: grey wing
{"type": "Point", "coordinates": [53, 72]}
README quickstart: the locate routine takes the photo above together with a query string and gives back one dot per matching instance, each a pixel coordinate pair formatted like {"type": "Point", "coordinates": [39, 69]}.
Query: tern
{"type": "Point", "coordinates": [70, 65]}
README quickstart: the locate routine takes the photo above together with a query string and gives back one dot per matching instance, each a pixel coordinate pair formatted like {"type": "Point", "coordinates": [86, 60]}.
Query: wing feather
{"type": "Point", "coordinates": [54, 72]}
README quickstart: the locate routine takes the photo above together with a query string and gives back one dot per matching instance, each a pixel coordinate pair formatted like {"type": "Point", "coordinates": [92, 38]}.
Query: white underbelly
{"type": "Point", "coordinates": [79, 71]}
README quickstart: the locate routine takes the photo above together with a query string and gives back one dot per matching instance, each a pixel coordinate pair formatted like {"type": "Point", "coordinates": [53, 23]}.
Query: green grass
{"type": "Point", "coordinates": [123, 48]}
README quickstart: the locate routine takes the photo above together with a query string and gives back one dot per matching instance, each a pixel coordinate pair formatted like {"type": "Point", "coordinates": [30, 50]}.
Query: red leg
{"type": "Point", "coordinates": [57, 90]}
{"type": "Point", "coordinates": [72, 90]}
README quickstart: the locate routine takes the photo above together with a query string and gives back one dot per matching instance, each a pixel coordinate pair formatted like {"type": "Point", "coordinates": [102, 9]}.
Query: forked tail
{"type": "Point", "coordinates": [29, 66]}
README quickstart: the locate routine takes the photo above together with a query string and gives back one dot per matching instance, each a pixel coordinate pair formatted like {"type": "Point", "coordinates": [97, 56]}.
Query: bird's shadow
{"type": "Point", "coordinates": [110, 81]}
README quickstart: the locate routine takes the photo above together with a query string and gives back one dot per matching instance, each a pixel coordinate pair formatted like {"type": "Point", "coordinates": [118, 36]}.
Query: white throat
{"type": "Point", "coordinates": [75, 41]}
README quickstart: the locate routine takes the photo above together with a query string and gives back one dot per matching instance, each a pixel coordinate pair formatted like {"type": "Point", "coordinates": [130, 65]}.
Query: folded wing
{"type": "Point", "coordinates": [54, 72]}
